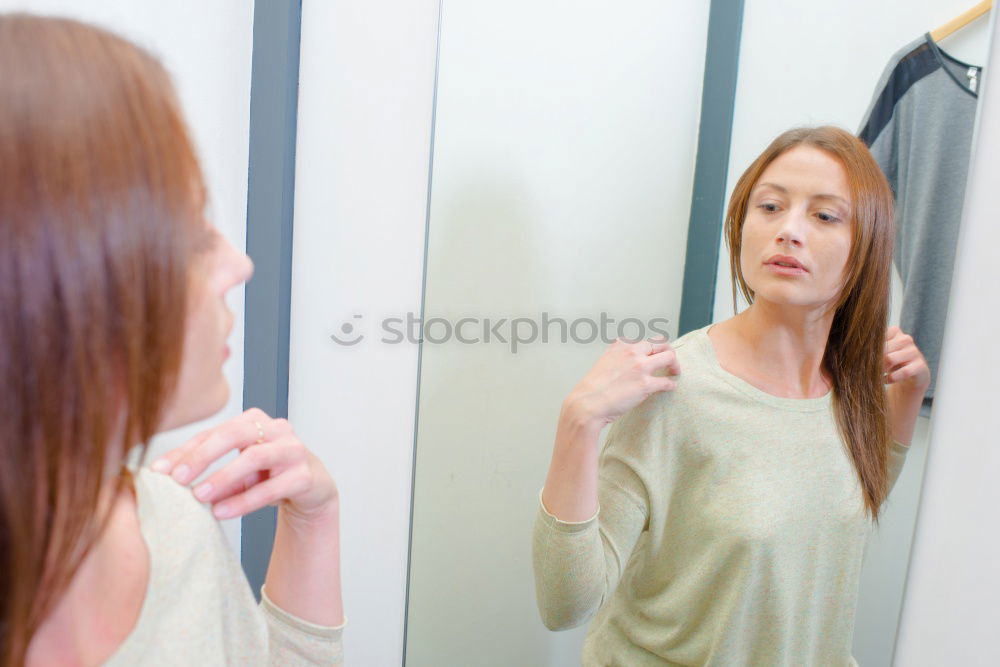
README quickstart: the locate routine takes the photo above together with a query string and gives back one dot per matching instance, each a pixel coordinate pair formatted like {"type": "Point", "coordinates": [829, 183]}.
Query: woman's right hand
{"type": "Point", "coordinates": [624, 376]}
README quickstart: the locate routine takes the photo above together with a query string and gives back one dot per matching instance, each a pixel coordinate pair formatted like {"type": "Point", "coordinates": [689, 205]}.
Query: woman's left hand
{"type": "Point", "coordinates": [905, 366]}
{"type": "Point", "coordinates": [273, 467]}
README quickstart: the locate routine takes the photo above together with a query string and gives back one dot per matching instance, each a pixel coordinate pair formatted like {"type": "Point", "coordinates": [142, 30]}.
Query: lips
{"type": "Point", "coordinates": [785, 260]}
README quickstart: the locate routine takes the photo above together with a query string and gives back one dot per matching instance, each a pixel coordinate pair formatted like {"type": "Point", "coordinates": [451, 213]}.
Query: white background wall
{"type": "Point", "coordinates": [206, 47]}
{"type": "Point", "coordinates": [365, 92]}
{"type": "Point", "coordinates": [808, 63]}
{"type": "Point", "coordinates": [950, 610]}
{"type": "Point", "coordinates": [563, 166]}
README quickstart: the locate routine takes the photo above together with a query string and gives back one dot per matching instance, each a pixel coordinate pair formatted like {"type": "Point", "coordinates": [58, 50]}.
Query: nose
{"type": "Point", "coordinates": [235, 268]}
{"type": "Point", "coordinates": [246, 268]}
{"type": "Point", "coordinates": [790, 231]}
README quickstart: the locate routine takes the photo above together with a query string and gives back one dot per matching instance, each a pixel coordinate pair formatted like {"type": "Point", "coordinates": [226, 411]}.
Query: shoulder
{"type": "Point", "coordinates": [162, 498]}
{"type": "Point", "coordinates": [176, 525]}
{"type": "Point", "coordinates": [688, 344]}
{"type": "Point", "coordinates": [199, 608]}
{"type": "Point", "coordinates": [186, 541]}
{"type": "Point", "coordinates": [660, 416]}
{"type": "Point", "coordinates": [904, 67]}
{"type": "Point", "coordinates": [917, 48]}
{"type": "Point", "coordinates": [693, 358]}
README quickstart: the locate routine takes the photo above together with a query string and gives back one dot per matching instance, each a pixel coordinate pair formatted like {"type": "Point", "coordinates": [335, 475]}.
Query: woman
{"type": "Point", "coordinates": [725, 519]}
{"type": "Point", "coordinates": [112, 328]}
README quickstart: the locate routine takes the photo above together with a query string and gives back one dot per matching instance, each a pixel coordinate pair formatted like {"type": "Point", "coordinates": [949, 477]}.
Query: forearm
{"type": "Point", "coordinates": [578, 559]}
{"type": "Point", "coordinates": [570, 570]}
{"type": "Point", "coordinates": [570, 492]}
{"type": "Point", "coordinates": [303, 576]}
{"type": "Point", "coordinates": [904, 406]}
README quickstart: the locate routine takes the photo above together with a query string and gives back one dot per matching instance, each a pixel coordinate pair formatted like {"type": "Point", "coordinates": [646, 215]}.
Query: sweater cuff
{"type": "Point", "coordinates": [565, 526]}
{"type": "Point", "coordinates": [302, 625]}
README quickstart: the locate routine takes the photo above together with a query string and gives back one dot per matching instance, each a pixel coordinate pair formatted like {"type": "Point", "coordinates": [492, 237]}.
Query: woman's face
{"type": "Point", "coordinates": [799, 208]}
{"type": "Point", "coordinates": [202, 389]}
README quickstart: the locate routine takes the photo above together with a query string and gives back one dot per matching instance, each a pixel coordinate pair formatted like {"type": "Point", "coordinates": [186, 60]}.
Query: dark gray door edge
{"type": "Point", "coordinates": [708, 197]}
{"type": "Point", "coordinates": [270, 198]}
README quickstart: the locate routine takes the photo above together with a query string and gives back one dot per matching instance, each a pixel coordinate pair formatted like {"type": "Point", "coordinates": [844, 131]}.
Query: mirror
{"type": "Point", "coordinates": [808, 77]}
{"type": "Point", "coordinates": [563, 164]}
{"type": "Point", "coordinates": [564, 153]}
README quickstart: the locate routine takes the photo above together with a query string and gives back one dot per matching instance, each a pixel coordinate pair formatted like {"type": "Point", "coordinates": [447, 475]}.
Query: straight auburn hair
{"type": "Point", "coordinates": [854, 354]}
{"type": "Point", "coordinates": [101, 215]}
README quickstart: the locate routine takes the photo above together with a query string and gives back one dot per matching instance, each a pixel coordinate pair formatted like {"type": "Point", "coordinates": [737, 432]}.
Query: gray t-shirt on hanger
{"type": "Point", "coordinates": [919, 127]}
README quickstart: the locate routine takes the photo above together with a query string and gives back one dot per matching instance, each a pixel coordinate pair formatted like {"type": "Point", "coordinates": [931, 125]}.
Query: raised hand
{"type": "Point", "coordinates": [273, 467]}
{"type": "Point", "coordinates": [624, 376]}
{"type": "Point", "coordinates": [905, 366]}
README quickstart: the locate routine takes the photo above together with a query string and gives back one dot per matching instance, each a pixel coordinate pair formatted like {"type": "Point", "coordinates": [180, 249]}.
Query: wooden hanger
{"type": "Point", "coordinates": [962, 20]}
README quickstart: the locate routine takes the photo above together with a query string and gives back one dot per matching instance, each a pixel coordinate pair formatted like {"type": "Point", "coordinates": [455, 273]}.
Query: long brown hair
{"type": "Point", "coordinates": [854, 353]}
{"type": "Point", "coordinates": [101, 213]}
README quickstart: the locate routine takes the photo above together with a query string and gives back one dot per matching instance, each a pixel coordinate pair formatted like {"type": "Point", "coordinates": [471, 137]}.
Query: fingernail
{"type": "Point", "coordinates": [181, 473]}
{"type": "Point", "coordinates": [222, 511]}
{"type": "Point", "coordinates": [160, 465]}
{"type": "Point", "coordinates": [202, 491]}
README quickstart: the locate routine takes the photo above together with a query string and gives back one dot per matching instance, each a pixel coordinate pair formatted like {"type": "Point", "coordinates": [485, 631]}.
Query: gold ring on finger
{"type": "Point", "coordinates": [260, 432]}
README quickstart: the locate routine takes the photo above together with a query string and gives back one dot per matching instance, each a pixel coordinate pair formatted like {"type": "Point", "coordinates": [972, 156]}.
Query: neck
{"type": "Point", "coordinates": [789, 342]}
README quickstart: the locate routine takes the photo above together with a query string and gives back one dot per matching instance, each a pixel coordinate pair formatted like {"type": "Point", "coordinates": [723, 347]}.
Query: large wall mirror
{"type": "Point", "coordinates": [564, 157]}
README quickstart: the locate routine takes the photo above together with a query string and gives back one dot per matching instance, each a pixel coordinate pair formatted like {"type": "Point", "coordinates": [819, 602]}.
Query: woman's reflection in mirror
{"type": "Point", "coordinates": [725, 518]}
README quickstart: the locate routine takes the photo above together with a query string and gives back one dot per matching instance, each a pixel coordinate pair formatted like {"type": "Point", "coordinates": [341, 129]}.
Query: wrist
{"type": "Point", "coordinates": [577, 415]}
{"type": "Point", "coordinates": [324, 517]}
{"type": "Point", "coordinates": [910, 391]}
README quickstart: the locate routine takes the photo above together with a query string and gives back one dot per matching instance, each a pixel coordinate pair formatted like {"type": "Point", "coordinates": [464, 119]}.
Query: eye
{"type": "Point", "coordinates": [768, 207]}
{"type": "Point", "coordinates": [827, 217]}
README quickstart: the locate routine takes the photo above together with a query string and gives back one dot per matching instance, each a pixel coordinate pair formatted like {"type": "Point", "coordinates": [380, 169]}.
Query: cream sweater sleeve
{"type": "Point", "coordinates": [577, 565]}
{"type": "Point", "coordinates": [293, 641]}
{"type": "Point", "coordinates": [897, 457]}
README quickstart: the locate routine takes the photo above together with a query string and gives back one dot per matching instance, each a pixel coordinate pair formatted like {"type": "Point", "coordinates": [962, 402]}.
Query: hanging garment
{"type": "Point", "coordinates": [919, 128]}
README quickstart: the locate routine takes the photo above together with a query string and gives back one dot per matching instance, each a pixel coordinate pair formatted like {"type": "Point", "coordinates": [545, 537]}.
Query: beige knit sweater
{"type": "Point", "coordinates": [199, 609]}
{"type": "Point", "coordinates": [731, 530]}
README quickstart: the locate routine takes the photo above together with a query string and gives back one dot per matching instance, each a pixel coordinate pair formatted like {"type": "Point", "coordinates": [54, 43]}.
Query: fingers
{"type": "Point", "coordinates": [252, 466]}
{"type": "Point", "coordinates": [900, 350]}
{"type": "Point", "coordinates": [166, 463]}
{"type": "Point", "coordinates": [903, 360]}
{"type": "Point", "coordinates": [896, 339]}
{"type": "Point", "coordinates": [658, 344]}
{"type": "Point", "coordinates": [642, 346]}
{"type": "Point", "coordinates": [236, 434]}
{"type": "Point", "coordinates": [659, 347]}
{"type": "Point", "coordinates": [652, 355]}
{"type": "Point", "coordinates": [663, 384]}
{"type": "Point", "coordinates": [894, 359]}
{"type": "Point", "coordinates": [666, 359]}
{"type": "Point", "coordinates": [902, 373]}
{"type": "Point", "coordinates": [269, 492]}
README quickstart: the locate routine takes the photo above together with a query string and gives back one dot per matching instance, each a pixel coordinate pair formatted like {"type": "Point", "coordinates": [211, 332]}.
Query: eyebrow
{"type": "Point", "coordinates": [784, 190]}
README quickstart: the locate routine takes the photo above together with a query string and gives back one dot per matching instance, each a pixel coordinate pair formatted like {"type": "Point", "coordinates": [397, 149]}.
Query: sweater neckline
{"type": "Point", "coordinates": [943, 56]}
{"type": "Point", "coordinates": [793, 404]}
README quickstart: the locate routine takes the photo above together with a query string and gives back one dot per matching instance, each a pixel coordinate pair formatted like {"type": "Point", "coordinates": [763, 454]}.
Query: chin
{"type": "Point", "coordinates": [784, 295]}
{"type": "Point", "coordinates": [203, 405]}
{"type": "Point", "coordinates": [217, 399]}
